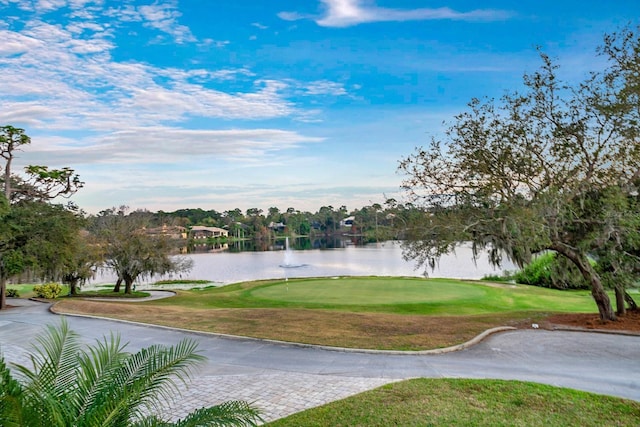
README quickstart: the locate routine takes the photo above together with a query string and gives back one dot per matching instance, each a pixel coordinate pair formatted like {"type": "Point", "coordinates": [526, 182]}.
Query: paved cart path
{"type": "Point", "coordinates": [282, 379]}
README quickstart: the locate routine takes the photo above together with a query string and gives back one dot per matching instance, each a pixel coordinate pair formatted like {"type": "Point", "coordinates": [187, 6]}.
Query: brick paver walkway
{"type": "Point", "coordinates": [277, 395]}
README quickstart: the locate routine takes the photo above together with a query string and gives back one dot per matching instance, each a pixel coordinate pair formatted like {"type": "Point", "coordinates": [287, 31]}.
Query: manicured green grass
{"type": "Point", "coordinates": [461, 402]}
{"type": "Point", "coordinates": [371, 291]}
{"type": "Point", "coordinates": [26, 290]}
{"type": "Point", "coordinates": [388, 295]}
{"type": "Point", "coordinates": [108, 293]}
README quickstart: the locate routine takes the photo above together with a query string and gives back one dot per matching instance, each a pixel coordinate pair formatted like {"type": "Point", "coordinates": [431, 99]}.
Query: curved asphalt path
{"type": "Point", "coordinates": [282, 379]}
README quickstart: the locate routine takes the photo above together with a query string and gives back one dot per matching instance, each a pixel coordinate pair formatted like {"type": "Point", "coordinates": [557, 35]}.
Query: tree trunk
{"type": "Point", "coordinates": [128, 283]}
{"type": "Point", "coordinates": [116, 288]}
{"type": "Point", "coordinates": [7, 177]}
{"type": "Point", "coordinates": [128, 286]}
{"type": "Point", "coordinates": [73, 287]}
{"type": "Point", "coordinates": [621, 309]}
{"type": "Point", "coordinates": [3, 292]}
{"type": "Point", "coordinates": [630, 301]}
{"type": "Point", "coordinates": [597, 290]}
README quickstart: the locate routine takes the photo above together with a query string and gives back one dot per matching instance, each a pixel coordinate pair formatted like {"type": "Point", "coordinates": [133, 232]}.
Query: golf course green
{"type": "Point", "coordinates": [412, 295]}
{"type": "Point", "coordinates": [367, 291]}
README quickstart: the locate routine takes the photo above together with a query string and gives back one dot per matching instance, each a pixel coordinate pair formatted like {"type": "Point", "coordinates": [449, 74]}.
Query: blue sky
{"type": "Point", "coordinates": [223, 104]}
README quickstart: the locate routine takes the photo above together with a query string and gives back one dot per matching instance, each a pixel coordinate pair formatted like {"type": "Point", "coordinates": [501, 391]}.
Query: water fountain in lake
{"type": "Point", "coordinates": [289, 261]}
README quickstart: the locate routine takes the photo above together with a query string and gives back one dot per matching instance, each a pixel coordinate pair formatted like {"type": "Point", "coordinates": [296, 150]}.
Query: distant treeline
{"type": "Point", "coordinates": [374, 222]}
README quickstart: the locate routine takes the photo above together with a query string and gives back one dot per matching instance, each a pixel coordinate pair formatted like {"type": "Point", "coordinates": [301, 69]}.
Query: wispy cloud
{"type": "Point", "coordinates": [62, 78]}
{"type": "Point", "coordinates": [346, 13]}
{"type": "Point", "coordinates": [325, 87]}
{"type": "Point", "coordinates": [158, 144]}
{"type": "Point", "coordinates": [162, 16]}
{"type": "Point", "coordinates": [71, 72]}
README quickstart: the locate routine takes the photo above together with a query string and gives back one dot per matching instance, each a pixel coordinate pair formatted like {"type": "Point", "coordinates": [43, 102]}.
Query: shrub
{"type": "Point", "coordinates": [506, 276]}
{"type": "Point", "coordinates": [12, 293]}
{"type": "Point", "coordinates": [537, 272]}
{"type": "Point", "coordinates": [48, 291]}
{"type": "Point", "coordinates": [548, 270]}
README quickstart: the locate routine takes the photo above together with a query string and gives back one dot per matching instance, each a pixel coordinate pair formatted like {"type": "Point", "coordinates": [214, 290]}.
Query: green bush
{"type": "Point", "coordinates": [48, 291]}
{"type": "Point", "coordinates": [537, 272]}
{"type": "Point", "coordinates": [548, 270]}
{"type": "Point", "coordinates": [12, 293]}
{"type": "Point", "coordinates": [506, 276]}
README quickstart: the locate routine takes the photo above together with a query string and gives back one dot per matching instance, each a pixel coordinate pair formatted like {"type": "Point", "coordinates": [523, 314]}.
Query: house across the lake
{"type": "Point", "coordinates": [348, 221]}
{"type": "Point", "coordinates": [171, 231]}
{"type": "Point", "coordinates": [203, 232]}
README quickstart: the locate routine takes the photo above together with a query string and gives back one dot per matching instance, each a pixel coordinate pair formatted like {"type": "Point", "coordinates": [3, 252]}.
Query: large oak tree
{"type": "Point", "coordinates": [129, 251]}
{"type": "Point", "coordinates": [35, 234]}
{"type": "Point", "coordinates": [550, 167]}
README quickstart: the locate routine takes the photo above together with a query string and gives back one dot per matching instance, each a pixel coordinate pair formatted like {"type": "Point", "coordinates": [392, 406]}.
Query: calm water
{"type": "Point", "coordinates": [383, 259]}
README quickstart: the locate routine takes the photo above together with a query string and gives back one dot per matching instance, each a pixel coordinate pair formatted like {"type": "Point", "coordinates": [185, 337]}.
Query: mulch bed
{"type": "Point", "coordinates": [629, 322]}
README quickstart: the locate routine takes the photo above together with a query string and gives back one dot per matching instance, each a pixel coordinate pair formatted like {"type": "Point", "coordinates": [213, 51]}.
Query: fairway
{"type": "Point", "coordinates": [370, 291]}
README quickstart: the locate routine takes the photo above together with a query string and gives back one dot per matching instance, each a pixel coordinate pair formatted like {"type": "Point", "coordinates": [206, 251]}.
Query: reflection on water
{"type": "Point", "coordinates": [300, 243]}
{"type": "Point", "coordinates": [348, 259]}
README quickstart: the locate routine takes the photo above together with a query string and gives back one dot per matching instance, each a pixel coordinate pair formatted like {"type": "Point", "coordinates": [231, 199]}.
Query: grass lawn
{"type": "Point", "coordinates": [363, 312]}
{"type": "Point", "coordinates": [26, 290]}
{"type": "Point", "coordinates": [108, 293]}
{"type": "Point", "coordinates": [461, 402]}
{"type": "Point", "coordinates": [414, 296]}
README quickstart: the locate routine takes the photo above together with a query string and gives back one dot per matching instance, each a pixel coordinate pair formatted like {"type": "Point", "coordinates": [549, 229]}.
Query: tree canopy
{"type": "Point", "coordinates": [129, 251]}
{"type": "Point", "coordinates": [35, 234]}
{"type": "Point", "coordinates": [552, 167]}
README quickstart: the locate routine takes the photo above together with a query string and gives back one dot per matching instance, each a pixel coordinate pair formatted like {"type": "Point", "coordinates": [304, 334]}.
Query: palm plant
{"type": "Point", "coordinates": [102, 385]}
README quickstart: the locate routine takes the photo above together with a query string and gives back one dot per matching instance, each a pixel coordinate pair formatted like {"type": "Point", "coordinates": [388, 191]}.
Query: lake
{"type": "Point", "coordinates": [377, 259]}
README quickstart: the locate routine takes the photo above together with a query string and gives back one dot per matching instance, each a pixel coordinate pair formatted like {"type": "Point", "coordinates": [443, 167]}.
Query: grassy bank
{"type": "Point", "coordinates": [26, 291]}
{"type": "Point", "coordinates": [370, 312]}
{"type": "Point", "coordinates": [461, 402]}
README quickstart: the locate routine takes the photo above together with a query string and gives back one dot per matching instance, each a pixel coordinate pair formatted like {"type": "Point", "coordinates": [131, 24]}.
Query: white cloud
{"type": "Point", "coordinates": [346, 13]}
{"type": "Point", "coordinates": [118, 120]}
{"type": "Point", "coordinates": [47, 5]}
{"type": "Point", "coordinates": [164, 17]}
{"type": "Point", "coordinates": [81, 27]}
{"type": "Point", "coordinates": [138, 145]}
{"type": "Point", "coordinates": [216, 43]}
{"type": "Point", "coordinates": [75, 79]}
{"type": "Point", "coordinates": [325, 87]}
{"type": "Point", "coordinates": [21, 4]}
{"type": "Point", "coordinates": [15, 43]}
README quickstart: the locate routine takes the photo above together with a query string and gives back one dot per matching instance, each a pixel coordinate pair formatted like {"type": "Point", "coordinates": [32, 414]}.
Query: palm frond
{"type": "Point", "coordinates": [231, 413]}
{"type": "Point", "coordinates": [148, 378]}
{"type": "Point", "coordinates": [152, 421]}
{"type": "Point", "coordinates": [104, 386]}
{"type": "Point", "coordinates": [96, 366]}
{"type": "Point", "coordinates": [55, 359]}
{"type": "Point", "coordinates": [11, 395]}
{"type": "Point", "coordinates": [52, 378]}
